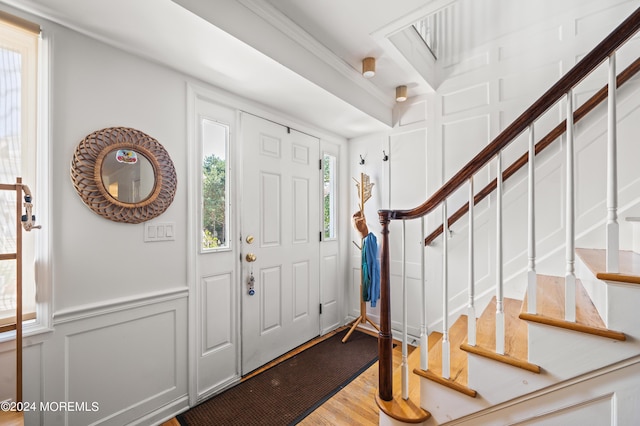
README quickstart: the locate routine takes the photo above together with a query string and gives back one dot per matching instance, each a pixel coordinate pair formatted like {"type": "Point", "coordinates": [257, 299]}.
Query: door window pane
{"type": "Point", "coordinates": [215, 185]}
{"type": "Point", "coordinates": [330, 194]}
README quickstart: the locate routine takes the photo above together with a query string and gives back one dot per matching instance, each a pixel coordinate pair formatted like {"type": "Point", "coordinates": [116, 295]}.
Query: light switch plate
{"type": "Point", "coordinates": [159, 231]}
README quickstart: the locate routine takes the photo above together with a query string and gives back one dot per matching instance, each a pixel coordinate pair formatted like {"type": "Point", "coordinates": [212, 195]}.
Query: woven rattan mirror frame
{"type": "Point", "coordinates": [86, 174]}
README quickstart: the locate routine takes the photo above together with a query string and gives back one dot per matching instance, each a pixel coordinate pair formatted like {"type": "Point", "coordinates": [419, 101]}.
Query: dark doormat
{"type": "Point", "coordinates": [291, 390]}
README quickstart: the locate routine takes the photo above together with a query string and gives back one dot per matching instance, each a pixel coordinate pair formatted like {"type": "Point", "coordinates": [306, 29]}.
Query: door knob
{"type": "Point", "coordinates": [250, 257]}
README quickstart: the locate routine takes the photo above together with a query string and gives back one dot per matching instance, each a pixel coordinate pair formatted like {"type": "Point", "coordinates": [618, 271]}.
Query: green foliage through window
{"type": "Point", "coordinates": [214, 186]}
{"type": "Point", "coordinates": [329, 202]}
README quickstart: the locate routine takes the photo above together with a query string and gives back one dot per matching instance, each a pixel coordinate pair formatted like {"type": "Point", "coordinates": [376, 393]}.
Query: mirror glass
{"type": "Point", "coordinates": [128, 176]}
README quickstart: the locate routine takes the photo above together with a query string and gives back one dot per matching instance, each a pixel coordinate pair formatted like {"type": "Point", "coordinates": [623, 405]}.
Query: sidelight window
{"type": "Point", "coordinates": [329, 194]}
{"type": "Point", "coordinates": [215, 185]}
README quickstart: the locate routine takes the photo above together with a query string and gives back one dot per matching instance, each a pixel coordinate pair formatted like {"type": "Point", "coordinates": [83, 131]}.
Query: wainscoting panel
{"type": "Point", "coordinates": [217, 362]}
{"type": "Point", "coordinates": [119, 367]}
{"type": "Point", "coordinates": [330, 317]}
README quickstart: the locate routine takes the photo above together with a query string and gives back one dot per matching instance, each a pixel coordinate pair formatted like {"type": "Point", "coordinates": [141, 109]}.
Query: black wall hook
{"type": "Point", "coordinates": [361, 160]}
{"type": "Point", "coordinates": [385, 157]}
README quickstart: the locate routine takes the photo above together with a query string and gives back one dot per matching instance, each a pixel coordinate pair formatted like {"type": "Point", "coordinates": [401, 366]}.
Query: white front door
{"type": "Point", "coordinates": [280, 220]}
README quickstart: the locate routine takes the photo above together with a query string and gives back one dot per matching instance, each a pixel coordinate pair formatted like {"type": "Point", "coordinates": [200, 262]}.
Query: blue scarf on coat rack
{"type": "Point", "coordinates": [370, 270]}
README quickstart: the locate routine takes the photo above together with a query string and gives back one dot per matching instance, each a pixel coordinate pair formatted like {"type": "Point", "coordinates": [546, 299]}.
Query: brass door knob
{"type": "Point", "coordinates": [250, 257]}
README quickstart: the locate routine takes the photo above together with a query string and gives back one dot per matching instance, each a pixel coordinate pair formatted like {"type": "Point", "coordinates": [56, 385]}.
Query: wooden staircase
{"type": "Point", "coordinates": [521, 354]}
{"type": "Point", "coordinates": [550, 314]}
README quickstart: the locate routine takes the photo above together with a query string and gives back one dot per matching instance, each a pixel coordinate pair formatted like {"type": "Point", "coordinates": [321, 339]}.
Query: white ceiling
{"type": "Point", "coordinates": [305, 59]}
{"type": "Point", "coordinates": [299, 57]}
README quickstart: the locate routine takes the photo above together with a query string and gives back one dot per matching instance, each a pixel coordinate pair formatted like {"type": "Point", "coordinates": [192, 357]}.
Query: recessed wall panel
{"type": "Point", "coordinates": [330, 272]}
{"type": "Point", "coordinates": [217, 300]}
{"type": "Point", "coordinates": [270, 204]}
{"type": "Point", "coordinates": [145, 365]}
{"type": "Point", "coordinates": [414, 113]}
{"type": "Point", "coordinates": [408, 183]}
{"type": "Point", "coordinates": [467, 99]}
{"type": "Point", "coordinates": [300, 210]}
{"type": "Point", "coordinates": [270, 146]}
{"type": "Point", "coordinates": [462, 139]}
{"type": "Point", "coordinates": [538, 81]}
{"type": "Point", "coordinates": [270, 290]}
{"type": "Point", "coordinates": [300, 154]}
{"type": "Point", "coordinates": [300, 289]}
{"type": "Point", "coordinates": [520, 48]}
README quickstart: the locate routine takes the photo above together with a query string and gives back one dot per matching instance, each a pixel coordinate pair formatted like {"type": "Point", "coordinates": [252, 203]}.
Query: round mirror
{"type": "Point", "coordinates": [127, 175]}
{"type": "Point", "coordinates": [123, 175]}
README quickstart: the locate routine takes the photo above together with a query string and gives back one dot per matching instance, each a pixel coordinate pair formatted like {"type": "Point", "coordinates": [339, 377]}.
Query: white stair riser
{"type": "Point", "coordinates": [450, 404]}
{"type": "Point", "coordinates": [635, 232]}
{"type": "Point", "coordinates": [623, 308]}
{"type": "Point", "coordinates": [594, 287]}
{"type": "Point", "coordinates": [497, 382]}
{"type": "Point", "coordinates": [604, 398]}
{"type": "Point", "coordinates": [565, 353]}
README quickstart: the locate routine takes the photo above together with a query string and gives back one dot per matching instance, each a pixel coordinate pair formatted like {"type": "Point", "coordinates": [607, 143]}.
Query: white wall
{"type": "Point", "coordinates": [485, 90]}
{"type": "Point", "coordinates": [119, 304]}
{"type": "Point", "coordinates": [119, 334]}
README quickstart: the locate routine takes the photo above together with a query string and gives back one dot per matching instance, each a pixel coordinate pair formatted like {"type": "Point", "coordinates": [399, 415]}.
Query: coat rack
{"type": "Point", "coordinates": [25, 221]}
{"type": "Point", "coordinates": [364, 193]}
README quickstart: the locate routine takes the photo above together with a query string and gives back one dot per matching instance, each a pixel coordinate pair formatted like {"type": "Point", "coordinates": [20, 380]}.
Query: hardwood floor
{"type": "Point", "coordinates": [355, 404]}
{"type": "Point", "coordinates": [11, 418]}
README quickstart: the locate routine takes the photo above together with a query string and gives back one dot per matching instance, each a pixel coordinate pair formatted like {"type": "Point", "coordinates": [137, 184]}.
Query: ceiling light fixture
{"type": "Point", "coordinates": [368, 67]}
{"type": "Point", "coordinates": [401, 93]}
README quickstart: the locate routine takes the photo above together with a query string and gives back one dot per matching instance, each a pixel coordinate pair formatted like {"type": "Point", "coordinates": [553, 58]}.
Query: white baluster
{"type": "Point", "coordinates": [570, 276]}
{"type": "Point", "coordinates": [499, 279]}
{"type": "Point", "coordinates": [405, 364]}
{"type": "Point", "coordinates": [446, 369]}
{"type": "Point", "coordinates": [531, 268]}
{"type": "Point", "coordinates": [613, 231]}
{"type": "Point", "coordinates": [471, 309]}
{"type": "Point", "coordinates": [424, 331]}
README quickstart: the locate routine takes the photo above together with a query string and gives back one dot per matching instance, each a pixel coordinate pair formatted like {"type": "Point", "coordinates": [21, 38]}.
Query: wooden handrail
{"type": "Point", "coordinates": [553, 135]}
{"type": "Point", "coordinates": [601, 52]}
{"type": "Point", "coordinates": [593, 59]}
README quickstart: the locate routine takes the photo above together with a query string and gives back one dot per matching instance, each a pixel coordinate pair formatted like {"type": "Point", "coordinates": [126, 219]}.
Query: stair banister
{"type": "Point", "coordinates": [405, 351]}
{"type": "Point", "coordinates": [570, 226]}
{"type": "Point", "coordinates": [612, 228]}
{"type": "Point", "coordinates": [446, 353]}
{"type": "Point", "coordinates": [499, 268]}
{"type": "Point", "coordinates": [531, 226]}
{"type": "Point", "coordinates": [576, 74]}
{"type": "Point", "coordinates": [424, 331]}
{"type": "Point", "coordinates": [471, 309]}
{"type": "Point", "coordinates": [554, 134]}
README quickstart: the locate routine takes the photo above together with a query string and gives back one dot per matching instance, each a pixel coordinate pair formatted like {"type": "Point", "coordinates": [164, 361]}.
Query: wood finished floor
{"type": "Point", "coordinates": [11, 418]}
{"type": "Point", "coordinates": [355, 404]}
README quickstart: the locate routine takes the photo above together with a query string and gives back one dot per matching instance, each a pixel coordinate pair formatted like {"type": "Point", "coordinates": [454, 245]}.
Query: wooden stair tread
{"type": "Point", "coordinates": [516, 336]}
{"type": "Point", "coordinates": [458, 358]}
{"type": "Point", "coordinates": [458, 371]}
{"type": "Point", "coordinates": [595, 259]}
{"type": "Point", "coordinates": [406, 411]}
{"type": "Point", "coordinates": [550, 298]}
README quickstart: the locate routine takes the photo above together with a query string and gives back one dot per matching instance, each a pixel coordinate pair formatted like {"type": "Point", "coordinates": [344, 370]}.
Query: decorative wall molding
{"type": "Point", "coordinates": [146, 378]}
{"type": "Point", "coordinates": [82, 312]}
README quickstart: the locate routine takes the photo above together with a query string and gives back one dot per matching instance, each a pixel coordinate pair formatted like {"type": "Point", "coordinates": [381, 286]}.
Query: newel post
{"type": "Point", "coordinates": [385, 338]}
